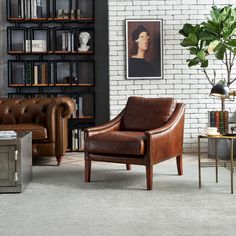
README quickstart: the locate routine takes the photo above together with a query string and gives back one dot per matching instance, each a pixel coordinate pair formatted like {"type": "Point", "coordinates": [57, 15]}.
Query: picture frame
{"type": "Point", "coordinates": [144, 49]}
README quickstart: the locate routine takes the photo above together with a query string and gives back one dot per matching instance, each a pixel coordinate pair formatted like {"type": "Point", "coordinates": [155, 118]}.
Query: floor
{"type": "Point", "coordinates": [58, 202]}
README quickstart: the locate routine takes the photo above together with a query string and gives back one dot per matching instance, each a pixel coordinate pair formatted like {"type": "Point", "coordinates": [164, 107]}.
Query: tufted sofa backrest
{"type": "Point", "coordinates": [23, 111]}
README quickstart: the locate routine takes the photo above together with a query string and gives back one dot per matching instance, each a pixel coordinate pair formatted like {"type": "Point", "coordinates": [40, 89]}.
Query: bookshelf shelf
{"type": "Point", "coordinates": [44, 57]}
{"type": "Point", "coordinates": [49, 20]}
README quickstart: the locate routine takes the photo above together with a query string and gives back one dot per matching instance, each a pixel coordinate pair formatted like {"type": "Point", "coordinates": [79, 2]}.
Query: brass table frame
{"type": "Point", "coordinates": [231, 168]}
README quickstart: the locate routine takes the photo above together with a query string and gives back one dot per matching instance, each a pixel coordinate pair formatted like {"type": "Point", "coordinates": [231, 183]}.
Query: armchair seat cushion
{"type": "Point", "coordinates": [117, 143]}
{"type": "Point", "coordinates": [38, 131]}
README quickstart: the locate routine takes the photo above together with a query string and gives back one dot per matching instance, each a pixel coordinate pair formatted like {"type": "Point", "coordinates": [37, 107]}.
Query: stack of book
{"type": "Point", "coordinates": [7, 134]}
{"type": "Point", "coordinates": [35, 45]}
{"type": "Point", "coordinates": [78, 108]}
{"type": "Point", "coordinates": [30, 9]}
{"type": "Point", "coordinates": [68, 42]}
{"type": "Point", "coordinates": [219, 119]}
{"type": "Point", "coordinates": [37, 74]}
{"type": "Point", "coordinates": [77, 139]}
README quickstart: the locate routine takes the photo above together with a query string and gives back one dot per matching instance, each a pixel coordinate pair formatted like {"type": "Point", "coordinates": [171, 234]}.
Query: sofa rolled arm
{"type": "Point", "coordinates": [160, 141]}
{"type": "Point", "coordinates": [66, 104]}
{"type": "Point", "coordinates": [112, 125]}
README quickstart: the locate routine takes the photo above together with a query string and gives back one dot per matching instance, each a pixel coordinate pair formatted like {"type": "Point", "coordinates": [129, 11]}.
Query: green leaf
{"type": "Point", "coordinates": [188, 28]}
{"type": "Point", "coordinates": [211, 26]}
{"type": "Point", "coordinates": [204, 64]}
{"type": "Point", "coordinates": [193, 62]}
{"type": "Point", "coordinates": [215, 14]}
{"type": "Point", "coordinates": [193, 38]}
{"type": "Point", "coordinates": [220, 53]}
{"type": "Point", "coordinates": [232, 43]}
{"type": "Point", "coordinates": [204, 35]}
{"type": "Point", "coordinates": [187, 42]}
{"type": "Point", "coordinates": [201, 55]}
{"type": "Point", "coordinates": [183, 33]}
{"type": "Point", "coordinates": [193, 50]}
{"type": "Point", "coordinates": [225, 13]}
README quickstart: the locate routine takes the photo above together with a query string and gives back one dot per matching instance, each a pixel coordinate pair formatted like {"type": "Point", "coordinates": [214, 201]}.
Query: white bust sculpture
{"type": "Point", "coordinates": [83, 40]}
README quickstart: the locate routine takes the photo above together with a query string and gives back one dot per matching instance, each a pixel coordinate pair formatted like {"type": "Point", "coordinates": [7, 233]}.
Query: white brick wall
{"type": "Point", "coordinates": [184, 84]}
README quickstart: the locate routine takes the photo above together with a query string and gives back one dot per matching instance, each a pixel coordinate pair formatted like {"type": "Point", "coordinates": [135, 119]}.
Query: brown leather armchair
{"type": "Point", "coordinates": [46, 118]}
{"type": "Point", "coordinates": [148, 131]}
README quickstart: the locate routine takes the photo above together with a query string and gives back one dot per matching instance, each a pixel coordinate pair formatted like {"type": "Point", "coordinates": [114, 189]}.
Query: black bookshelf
{"type": "Point", "coordinates": [45, 60]}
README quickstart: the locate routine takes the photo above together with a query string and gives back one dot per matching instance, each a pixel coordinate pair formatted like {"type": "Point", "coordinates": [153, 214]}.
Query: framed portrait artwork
{"type": "Point", "coordinates": [144, 56]}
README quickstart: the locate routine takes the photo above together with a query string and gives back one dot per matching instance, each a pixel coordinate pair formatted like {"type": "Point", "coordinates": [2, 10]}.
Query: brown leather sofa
{"type": "Point", "coordinates": [148, 131]}
{"type": "Point", "coordinates": [46, 118]}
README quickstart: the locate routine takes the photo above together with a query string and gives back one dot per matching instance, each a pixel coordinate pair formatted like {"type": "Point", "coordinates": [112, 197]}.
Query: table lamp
{"type": "Point", "coordinates": [222, 92]}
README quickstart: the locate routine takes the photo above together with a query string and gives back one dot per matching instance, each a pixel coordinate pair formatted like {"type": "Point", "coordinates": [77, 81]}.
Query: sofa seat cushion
{"type": "Point", "coordinates": [117, 143]}
{"type": "Point", "coordinates": [38, 132]}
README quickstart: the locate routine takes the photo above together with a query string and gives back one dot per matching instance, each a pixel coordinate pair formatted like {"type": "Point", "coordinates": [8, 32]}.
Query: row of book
{"type": "Point", "coordinates": [68, 42]}
{"type": "Point", "coordinates": [77, 139]}
{"type": "Point", "coordinates": [219, 119]}
{"type": "Point", "coordinates": [30, 8]}
{"type": "Point", "coordinates": [78, 107]}
{"type": "Point", "coordinates": [35, 74]}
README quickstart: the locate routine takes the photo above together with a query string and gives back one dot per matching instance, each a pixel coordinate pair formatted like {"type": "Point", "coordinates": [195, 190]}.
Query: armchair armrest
{"type": "Point", "coordinates": [112, 125]}
{"type": "Point", "coordinates": [166, 141]}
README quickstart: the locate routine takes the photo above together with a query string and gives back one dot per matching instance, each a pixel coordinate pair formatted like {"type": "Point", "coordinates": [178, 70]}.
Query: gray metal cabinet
{"type": "Point", "coordinates": [15, 163]}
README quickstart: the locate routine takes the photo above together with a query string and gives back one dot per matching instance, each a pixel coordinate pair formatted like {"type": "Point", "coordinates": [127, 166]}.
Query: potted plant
{"type": "Point", "coordinates": [214, 38]}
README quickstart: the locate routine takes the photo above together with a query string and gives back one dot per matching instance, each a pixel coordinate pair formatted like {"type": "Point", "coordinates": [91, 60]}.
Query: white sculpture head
{"type": "Point", "coordinates": [83, 40]}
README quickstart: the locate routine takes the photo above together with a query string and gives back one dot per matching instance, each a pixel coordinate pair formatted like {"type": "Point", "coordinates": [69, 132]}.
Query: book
{"type": "Point", "coordinates": [33, 8]}
{"type": "Point", "coordinates": [28, 73]}
{"type": "Point", "coordinates": [39, 8]}
{"type": "Point", "coordinates": [80, 106]}
{"type": "Point", "coordinates": [212, 120]}
{"type": "Point", "coordinates": [20, 8]}
{"type": "Point", "coordinates": [217, 120]}
{"type": "Point", "coordinates": [8, 134]}
{"type": "Point", "coordinates": [44, 73]}
{"type": "Point", "coordinates": [81, 139]}
{"type": "Point", "coordinates": [76, 108]}
{"type": "Point", "coordinates": [226, 121]}
{"type": "Point", "coordinates": [69, 42]}
{"type": "Point", "coordinates": [63, 42]}
{"type": "Point", "coordinates": [221, 122]}
{"type": "Point", "coordinates": [74, 139]}
{"type": "Point", "coordinates": [36, 69]}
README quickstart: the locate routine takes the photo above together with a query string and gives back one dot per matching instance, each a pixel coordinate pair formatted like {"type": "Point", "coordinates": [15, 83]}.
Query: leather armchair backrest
{"type": "Point", "coordinates": [143, 114]}
{"type": "Point", "coordinates": [21, 111]}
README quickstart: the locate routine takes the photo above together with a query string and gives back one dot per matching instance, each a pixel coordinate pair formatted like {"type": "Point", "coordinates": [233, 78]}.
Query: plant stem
{"type": "Point", "coordinates": [205, 72]}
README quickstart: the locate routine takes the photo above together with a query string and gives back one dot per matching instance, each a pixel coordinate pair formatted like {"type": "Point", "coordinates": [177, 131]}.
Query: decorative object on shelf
{"type": "Point", "coordinates": [60, 13]}
{"type": "Point", "coordinates": [66, 14]}
{"type": "Point", "coordinates": [78, 15]}
{"type": "Point", "coordinates": [232, 127]}
{"type": "Point", "coordinates": [216, 36]}
{"type": "Point", "coordinates": [144, 49]}
{"type": "Point", "coordinates": [83, 40]}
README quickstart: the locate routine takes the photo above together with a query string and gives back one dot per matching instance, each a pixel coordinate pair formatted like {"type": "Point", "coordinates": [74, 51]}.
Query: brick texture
{"type": "Point", "coordinates": [184, 84]}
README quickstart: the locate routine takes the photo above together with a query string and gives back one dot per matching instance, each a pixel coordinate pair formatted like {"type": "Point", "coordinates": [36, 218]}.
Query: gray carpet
{"type": "Point", "coordinates": [58, 202]}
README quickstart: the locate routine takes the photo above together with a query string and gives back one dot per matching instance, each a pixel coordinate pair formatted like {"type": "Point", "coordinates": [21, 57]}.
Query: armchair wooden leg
{"type": "Point", "coordinates": [149, 176]}
{"type": "Point", "coordinates": [179, 164]}
{"type": "Point", "coordinates": [128, 167]}
{"type": "Point", "coordinates": [59, 158]}
{"type": "Point", "coordinates": [87, 170]}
